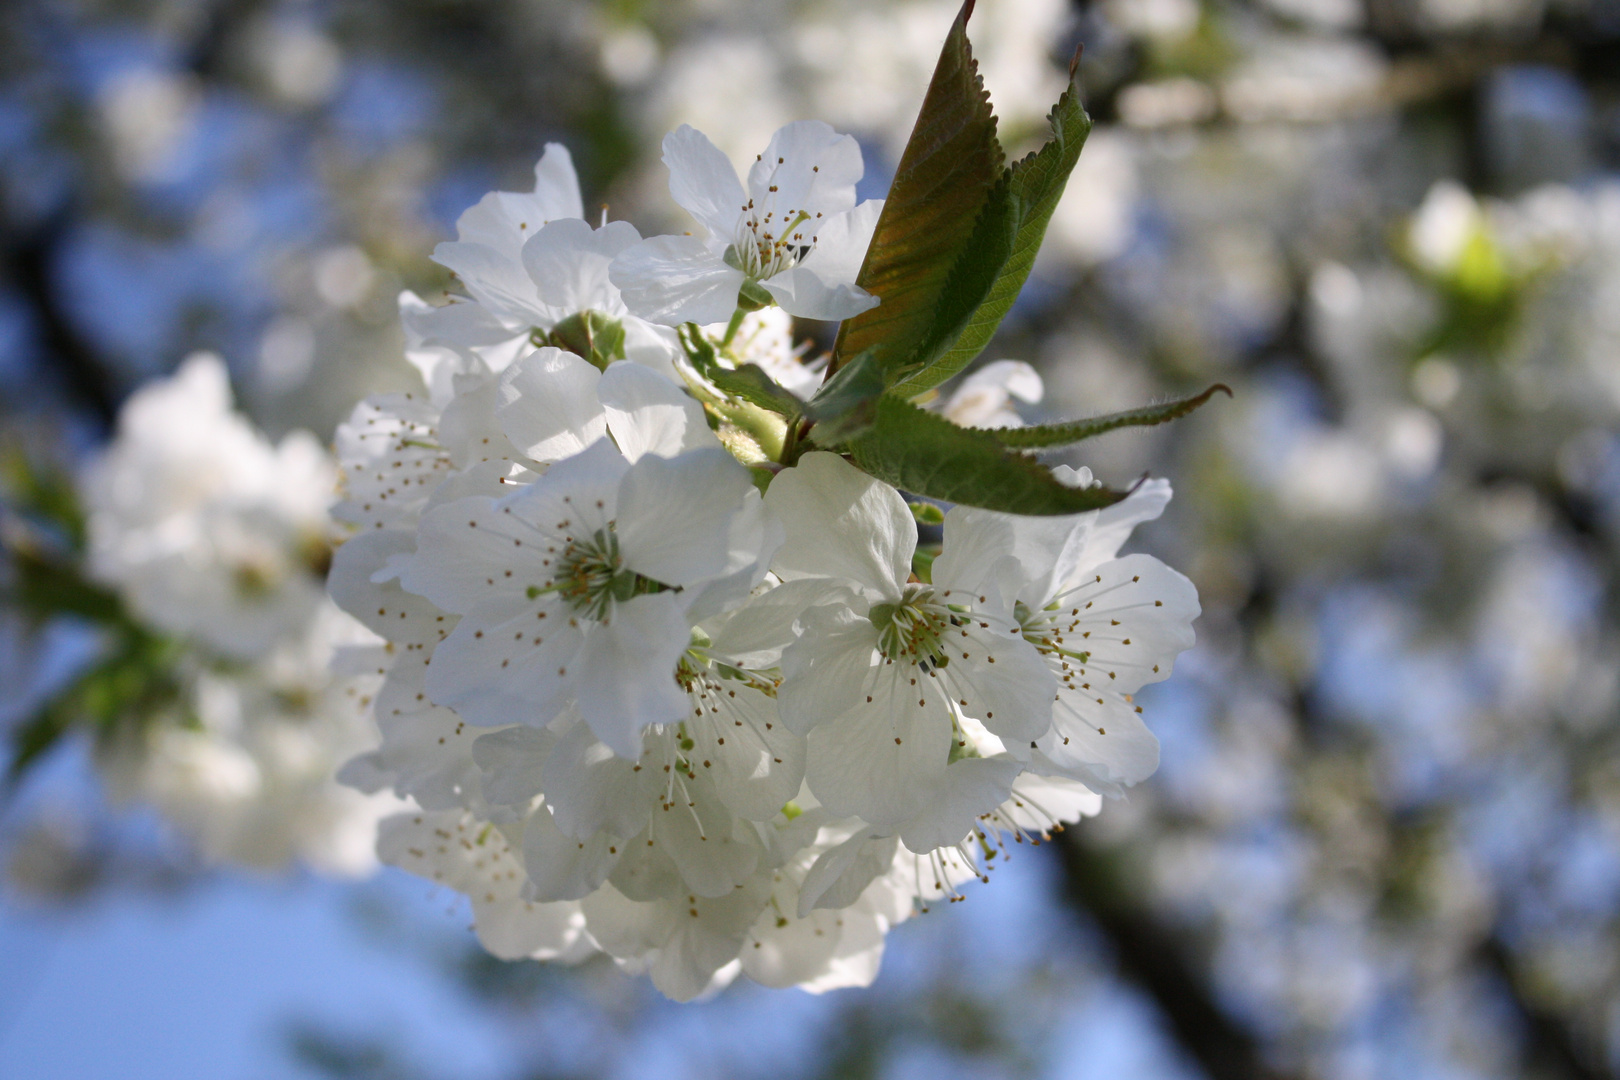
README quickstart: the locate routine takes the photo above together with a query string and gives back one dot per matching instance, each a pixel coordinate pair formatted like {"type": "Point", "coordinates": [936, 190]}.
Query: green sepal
{"type": "Point", "coordinates": [753, 296]}
{"type": "Point", "coordinates": [926, 513]}
{"type": "Point", "coordinates": [945, 174]}
{"type": "Point", "coordinates": [1046, 435]}
{"type": "Point", "coordinates": [747, 382]}
{"type": "Point", "coordinates": [926, 454]}
{"type": "Point", "coordinates": [596, 336]}
{"type": "Point", "coordinates": [752, 384]}
{"type": "Point", "coordinates": [846, 404]}
{"type": "Point", "coordinates": [762, 477]}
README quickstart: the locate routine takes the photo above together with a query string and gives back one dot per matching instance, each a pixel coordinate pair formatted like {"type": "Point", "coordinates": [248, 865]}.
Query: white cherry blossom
{"type": "Point", "coordinates": [795, 231]}
{"type": "Point", "coordinates": [575, 588]}
{"type": "Point", "coordinates": [884, 677]}
{"type": "Point", "coordinates": [985, 398]}
{"type": "Point", "coordinates": [206, 529]}
{"type": "Point", "coordinates": [478, 859]}
{"type": "Point", "coordinates": [530, 262]}
{"type": "Point", "coordinates": [1105, 626]}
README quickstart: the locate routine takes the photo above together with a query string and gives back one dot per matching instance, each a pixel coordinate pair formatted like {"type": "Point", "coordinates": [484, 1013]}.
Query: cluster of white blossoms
{"type": "Point", "coordinates": [658, 695]}
{"type": "Point", "coordinates": [218, 541]}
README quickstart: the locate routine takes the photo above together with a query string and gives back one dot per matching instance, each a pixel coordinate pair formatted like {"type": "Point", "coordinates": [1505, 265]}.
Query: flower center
{"type": "Point", "coordinates": [591, 576]}
{"type": "Point", "coordinates": [769, 243]}
{"type": "Point", "coordinates": [913, 631]}
{"type": "Point", "coordinates": [1045, 630]}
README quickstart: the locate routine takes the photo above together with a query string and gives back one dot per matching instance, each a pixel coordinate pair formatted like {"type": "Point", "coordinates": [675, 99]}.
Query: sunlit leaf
{"type": "Point", "coordinates": [946, 172]}
{"type": "Point", "coordinates": [993, 267]}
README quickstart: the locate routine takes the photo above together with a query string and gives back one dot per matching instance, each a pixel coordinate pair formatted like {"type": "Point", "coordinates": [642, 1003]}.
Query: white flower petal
{"type": "Point", "coordinates": [651, 345]}
{"type": "Point", "coordinates": [626, 671]}
{"type": "Point", "coordinates": [492, 677]}
{"type": "Point", "coordinates": [713, 851]}
{"type": "Point", "coordinates": [803, 292]}
{"type": "Point", "coordinates": [807, 166]}
{"type": "Point", "coordinates": [560, 867]}
{"type": "Point", "coordinates": [646, 872]}
{"type": "Point", "coordinates": [783, 952]}
{"type": "Point", "coordinates": [503, 220]}
{"type": "Point", "coordinates": [676, 279]}
{"type": "Point", "coordinates": [556, 185]}
{"type": "Point", "coordinates": [1006, 684]}
{"type": "Point", "coordinates": [755, 634]}
{"type": "Point", "coordinates": [841, 241]}
{"type": "Point", "coordinates": [426, 748]}
{"type": "Point", "coordinates": [881, 760]}
{"type": "Point", "coordinates": [675, 515]}
{"type": "Point", "coordinates": [511, 760]}
{"type": "Point", "coordinates": [568, 262]}
{"type": "Point", "coordinates": [1098, 739]}
{"type": "Point", "coordinates": [468, 430]}
{"type": "Point", "coordinates": [1113, 524]}
{"type": "Point", "coordinates": [828, 669]}
{"type": "Point", "coordinates": [547, 404]}
{"type": "Point", "coordinates": [969, 788]}
{"type": "Point", "coordinates": [455, 849]}
{"type": "Point", "coordinates": [494, 277]}
{"type": "Point", "coordinates": [682, 952]}
{"type": "Point", "coordinates": [1133, 616]}
{"type": "Point", "coordinates": [1037, 802]}
{"type": "Point", "coordinates": [649, 414]}
{"type": "Point", "coordinates": [452, 338]}
{"type": "Point", "coordinates": [844, 524]}
{"type": "Point", "coordinates": [703, 182]}
{"type": "Point", "coordinates": [840, 874]}
{"type": "Point", "coordinates": [756, 763]}
{"type": "Point", "coordinates": [593, 790]}
{"type": "Point", "coordinates": [858, 956]}
{"type": "Point", "coordinates": [752, 540]}
{"type": "Point", "coordinates": [382, 606]}
{"type": "Point", "coordinates": [984, 398]}
{"type": "Point", "coordinates": [391, 461]}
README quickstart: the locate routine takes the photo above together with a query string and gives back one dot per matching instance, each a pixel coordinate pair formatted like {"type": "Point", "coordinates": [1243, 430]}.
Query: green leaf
{"type": "Point", "coordinates": [1028, 438]}
{"type": "Point", "coordinates": [846, 404]}
{"type": "Point", "coordinates": [43, 588]}
{"type": "Point", "coordinates": [992, 269]}
{"type": "Point", "coordinates": [132, 684]}
{"type": "Point", "coordinates": [926, 454]}
{"type": "Point", "coordinates": [946, 172]}
{"type": "Point", "coordinates": [42, 492]}
{"type": "Point", "coordinates": [31, 739]}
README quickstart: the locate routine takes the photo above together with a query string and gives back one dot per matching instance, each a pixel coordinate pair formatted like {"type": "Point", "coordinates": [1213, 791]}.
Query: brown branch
{"type": "Point", "coordinates": [27, 263]}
